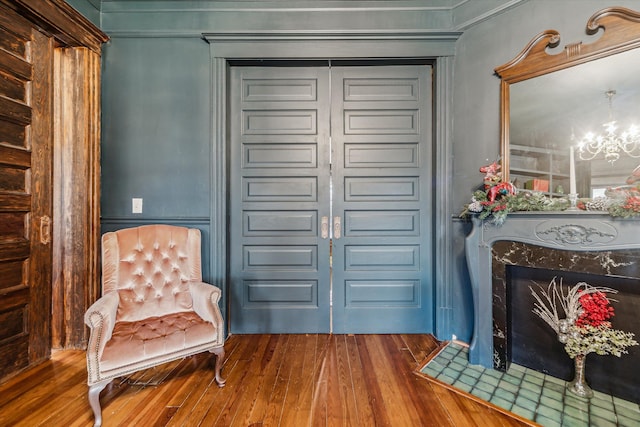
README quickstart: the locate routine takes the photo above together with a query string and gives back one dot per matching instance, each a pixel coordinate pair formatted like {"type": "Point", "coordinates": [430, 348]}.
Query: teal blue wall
{"type": "Point", "coordinates": [157, 81]}
{"type": "Point", "coordinates": [476, 101]}
{"type": "Point", "coordinates": [89, 8]}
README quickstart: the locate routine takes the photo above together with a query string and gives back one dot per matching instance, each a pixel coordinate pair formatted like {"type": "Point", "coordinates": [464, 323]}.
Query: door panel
{"type": "Point", "coordinates": [279, 190]}
{"type": "Point", "coordinates": [381, 159]}
{"type": "Point", "coordinates": [25, 194]}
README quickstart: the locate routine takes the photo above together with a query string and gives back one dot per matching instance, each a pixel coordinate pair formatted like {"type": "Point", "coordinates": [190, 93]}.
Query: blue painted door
{"type": "Point", "coordinates": [381, 165]}
{"type": "Point", "coordinates": [330, 172]}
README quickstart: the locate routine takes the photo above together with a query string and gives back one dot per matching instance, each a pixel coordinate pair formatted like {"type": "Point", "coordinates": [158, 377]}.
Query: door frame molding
{"type": "Point", "coordinates": [437, 46]}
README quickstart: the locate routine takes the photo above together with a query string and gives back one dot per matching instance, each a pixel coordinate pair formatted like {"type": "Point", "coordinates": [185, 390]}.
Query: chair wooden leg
{"type": "Point", "coordinates": [94, 401]}
{"type": "Point", "coordinates": [219, 352]}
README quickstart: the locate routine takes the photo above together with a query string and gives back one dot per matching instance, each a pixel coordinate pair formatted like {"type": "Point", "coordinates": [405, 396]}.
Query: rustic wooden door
{"type": "Point", "coordinates": [26, 134]}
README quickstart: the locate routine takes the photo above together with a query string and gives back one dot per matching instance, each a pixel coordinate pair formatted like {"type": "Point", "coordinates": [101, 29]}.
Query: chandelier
{"type": "Point", "coordinates": [610, 143]}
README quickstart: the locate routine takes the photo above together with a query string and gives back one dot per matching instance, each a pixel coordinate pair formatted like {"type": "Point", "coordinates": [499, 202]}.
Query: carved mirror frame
{"type": "Point", "coordinates": [621, 33]}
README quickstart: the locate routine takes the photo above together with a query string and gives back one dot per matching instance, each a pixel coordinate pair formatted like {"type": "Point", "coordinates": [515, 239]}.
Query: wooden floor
{"type": "Point", "coordinates": [272, 380]}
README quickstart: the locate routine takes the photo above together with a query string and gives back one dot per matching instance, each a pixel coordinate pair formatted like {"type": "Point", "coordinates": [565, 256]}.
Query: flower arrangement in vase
{"type": "Point", "coordinates": [586, 327]}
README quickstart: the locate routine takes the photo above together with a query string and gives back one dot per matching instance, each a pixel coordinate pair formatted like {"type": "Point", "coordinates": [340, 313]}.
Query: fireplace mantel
{"type": "Point", "coordinates": [570, 231]}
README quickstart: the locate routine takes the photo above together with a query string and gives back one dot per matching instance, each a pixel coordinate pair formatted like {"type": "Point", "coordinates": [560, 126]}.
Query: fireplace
{"type": "Point", "coordinates": [537, 247]}
{"type": "Point", "coordinates": [532, 343]}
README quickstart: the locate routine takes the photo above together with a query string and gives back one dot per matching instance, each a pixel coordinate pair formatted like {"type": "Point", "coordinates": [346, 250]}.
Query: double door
{"type": "Point", "coordinates": [330, 199]}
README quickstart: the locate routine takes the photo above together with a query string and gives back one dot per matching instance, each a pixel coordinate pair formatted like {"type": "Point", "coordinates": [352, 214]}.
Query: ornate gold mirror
{"type": "Point", "coordinates": [550, 102]}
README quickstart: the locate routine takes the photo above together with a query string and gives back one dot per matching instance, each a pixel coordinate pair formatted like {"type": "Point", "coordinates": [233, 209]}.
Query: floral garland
{"type": "Point", "coordinates": [498, 209]}
{"type": "Point", "coordinates": [498, 198]}
{"type": "Point", "coordinates": [586, 327]}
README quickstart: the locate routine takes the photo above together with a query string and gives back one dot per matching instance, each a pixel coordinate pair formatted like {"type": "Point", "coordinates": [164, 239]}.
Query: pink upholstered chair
{"type": "Point", "coordinates": [154, 306]}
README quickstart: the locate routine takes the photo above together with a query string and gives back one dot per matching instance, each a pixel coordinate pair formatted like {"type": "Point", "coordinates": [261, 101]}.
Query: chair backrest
{"type": "Point", "coordinates": [150, 267]}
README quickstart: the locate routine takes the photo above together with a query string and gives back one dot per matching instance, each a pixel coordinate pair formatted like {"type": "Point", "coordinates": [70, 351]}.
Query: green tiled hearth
{"type": "Point", "coordinates": [530, 394]}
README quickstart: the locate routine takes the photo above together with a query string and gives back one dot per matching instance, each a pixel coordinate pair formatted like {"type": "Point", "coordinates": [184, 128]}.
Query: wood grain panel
{"type": "Point", "coordinates": [10, 363]}
{"type": "Point", "coordinates": [16, 299]}
{"type": "Point", "coordinates": [15, 202]}
{"type": "Point", "coordinates": [12, 179]}
{"type": "Point", "coordinates": [15, 24]}
{"type": "Point", "coordinates": [11, 274]}
{"type": "Point", "coordinates": [41, 188]}
{"type": "Point", "coordinates": [12, 87]}
{"type": "Point", "coordinates": [12, 43]}
{"type": "Point", "coordinates": [11, 134]}
{"type": "Point", "coordinates": [12, 249]}
{"type": "Point", "coordinates": [77, 183]}
{"type": "Point", "coordinates": [12, 225]}
{"type": "Point", "coordinates": [15, 66]}
{"type": "Point", "coordinates": [15, 111]}
{"type": "Point", "coordinates": [14, 157]}
{"type": "Point", "coordinates": [13, 323]}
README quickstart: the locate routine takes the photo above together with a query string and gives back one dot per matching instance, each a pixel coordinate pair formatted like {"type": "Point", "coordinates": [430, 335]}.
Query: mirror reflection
{"type": "Point", "coordinates": [554, 112]}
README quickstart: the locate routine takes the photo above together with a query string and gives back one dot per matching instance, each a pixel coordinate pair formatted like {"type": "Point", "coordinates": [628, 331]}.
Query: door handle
{"type": "Point", "coordinates": [337, 227]}
{"type": "Point", "coordinates": [324, 227]}
{"type": "Point", "coordinates": [45, 230]}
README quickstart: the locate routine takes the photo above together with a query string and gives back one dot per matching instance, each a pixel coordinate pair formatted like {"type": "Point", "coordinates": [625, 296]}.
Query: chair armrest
{"type": "Point", "coordinates": [205, 304]}
{"type": "Point", "coordinates": [101, 318]}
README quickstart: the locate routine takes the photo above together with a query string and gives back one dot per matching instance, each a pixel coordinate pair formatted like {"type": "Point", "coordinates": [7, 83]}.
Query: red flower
{"type": "Point", "coordinates": [596, 309]}
{"type": "Point", "coordinates": [632, 203]}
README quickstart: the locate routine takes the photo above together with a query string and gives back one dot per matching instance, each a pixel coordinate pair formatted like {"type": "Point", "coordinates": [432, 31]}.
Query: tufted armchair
{"type": "Point", "coordinates": [154, 306]}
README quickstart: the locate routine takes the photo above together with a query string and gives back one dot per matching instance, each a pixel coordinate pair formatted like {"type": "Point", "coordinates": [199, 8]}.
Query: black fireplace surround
{"type": "Point", "coordinates": [531, 249]}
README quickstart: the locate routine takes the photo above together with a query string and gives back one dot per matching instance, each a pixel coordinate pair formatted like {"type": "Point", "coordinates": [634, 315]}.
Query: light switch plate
{"type": "Point", "coordinates": [136, 205]}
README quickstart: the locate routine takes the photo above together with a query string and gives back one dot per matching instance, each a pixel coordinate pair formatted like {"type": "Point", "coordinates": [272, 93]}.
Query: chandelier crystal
{"type": "Point", "coordinates": [610, 143]}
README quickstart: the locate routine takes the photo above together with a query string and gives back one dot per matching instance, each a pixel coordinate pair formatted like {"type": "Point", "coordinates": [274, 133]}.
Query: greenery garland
{"type": "Point", "coordinates": [498, 198]}
{"type": "Point", "coordinates": [498, 209]}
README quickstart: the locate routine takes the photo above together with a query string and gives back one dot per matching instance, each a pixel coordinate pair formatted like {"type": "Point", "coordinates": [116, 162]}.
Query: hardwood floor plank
{"type": "Point", "coordinates": [373, 386]}
{"type": "Point", "coordinates": [300, 394]}
{"type": "Point", "coordinates": [243, 400]}
{"type": "Point", "coordinates": [270, 364]}
{"type": "Point", "coordinates": [402, 355]}
{"type": "Point", "coordinates": [364, 411]}
{"type": "Point", "coordinates": [272, 380]}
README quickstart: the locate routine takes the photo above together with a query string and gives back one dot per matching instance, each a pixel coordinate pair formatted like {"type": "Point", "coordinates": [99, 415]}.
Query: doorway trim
{"type": "Point", "coordinates": [308, 45]}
